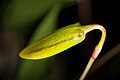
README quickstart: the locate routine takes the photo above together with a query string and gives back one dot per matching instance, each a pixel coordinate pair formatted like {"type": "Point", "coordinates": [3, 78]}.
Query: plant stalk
{"type": "Point", "coordinates": [97, 49]}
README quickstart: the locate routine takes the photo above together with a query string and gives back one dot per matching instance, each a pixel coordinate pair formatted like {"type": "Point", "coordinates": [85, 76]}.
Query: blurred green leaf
{"type": "Point", "coordinates": [48, 24]}
{"type": "Point", "coordinates": [23, 13]}
{"type": "Point", "coordinates": [34, 70]}
{"type": "Point", "coordinates": [20, 15]}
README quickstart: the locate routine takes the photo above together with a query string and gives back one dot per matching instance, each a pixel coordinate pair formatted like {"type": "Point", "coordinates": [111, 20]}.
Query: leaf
{"type": "Point", "coordinates": [47, 25]}
{"type": "Point", "coordinates": [21, 14]}
{"type": "Point", "coordinates": [34, 70]}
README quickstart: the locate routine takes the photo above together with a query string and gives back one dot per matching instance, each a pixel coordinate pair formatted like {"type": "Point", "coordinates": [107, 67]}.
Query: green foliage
{"type": "Point", "coordinates": [20, 16]}
{"type": "Point", "coordinates": [23, 13]}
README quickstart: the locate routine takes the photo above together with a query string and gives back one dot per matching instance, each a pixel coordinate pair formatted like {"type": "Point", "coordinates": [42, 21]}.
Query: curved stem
{"type": "Point", "coordinates": [97, 49]}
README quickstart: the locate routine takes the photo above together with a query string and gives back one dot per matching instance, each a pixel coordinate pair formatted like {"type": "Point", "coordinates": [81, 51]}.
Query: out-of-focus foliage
{"type": "Point", "coordinates": [35, 70]}
{"type": "Point", "coordinates": [21, 14]}
{"type": "Point", "coordinates": [36, 18]}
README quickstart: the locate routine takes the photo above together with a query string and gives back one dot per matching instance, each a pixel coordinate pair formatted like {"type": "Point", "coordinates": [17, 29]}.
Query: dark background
{"type": "Point", "coordinates": [105, 13]}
